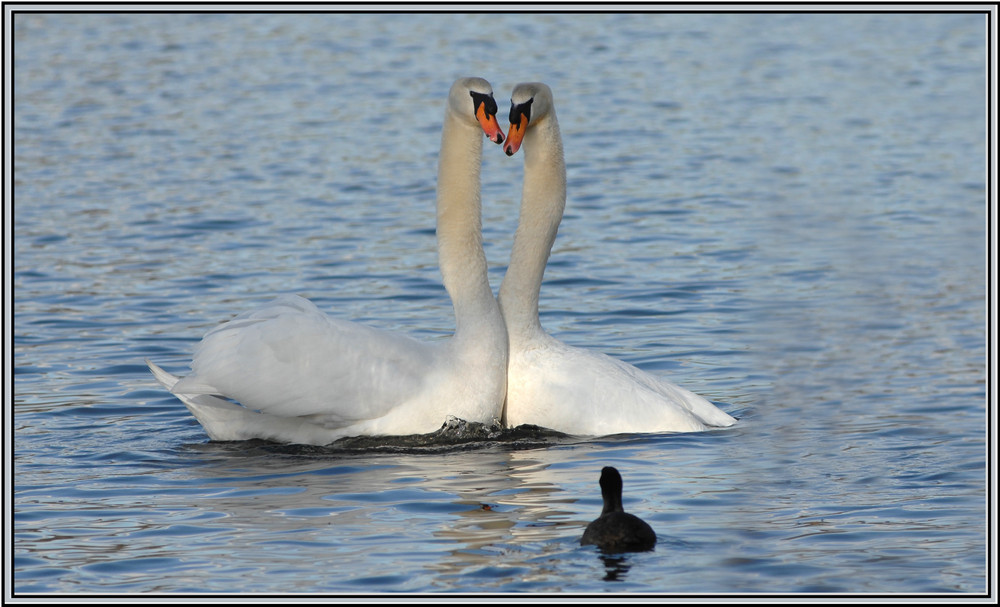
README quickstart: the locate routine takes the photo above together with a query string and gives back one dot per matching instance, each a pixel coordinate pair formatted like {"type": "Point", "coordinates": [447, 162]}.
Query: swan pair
{"type": "Point", "coordinates": [300, 376]}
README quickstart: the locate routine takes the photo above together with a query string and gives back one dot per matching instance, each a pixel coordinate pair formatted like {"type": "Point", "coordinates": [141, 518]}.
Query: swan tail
{"type": "Point", "coordinates": [227, 421]}
{"type": "Point", "coordinates": [715, 417]}
{"type": "Point", "coordinates": [167, 380]}
{"type": "Point", "coordinates": [215, 414]}
{"type": "Point", "coordinates": [704, 409]}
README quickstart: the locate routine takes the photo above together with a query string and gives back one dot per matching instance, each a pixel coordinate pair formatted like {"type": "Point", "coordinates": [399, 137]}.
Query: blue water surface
{"type": "Point", "coordinates": [783, 212]}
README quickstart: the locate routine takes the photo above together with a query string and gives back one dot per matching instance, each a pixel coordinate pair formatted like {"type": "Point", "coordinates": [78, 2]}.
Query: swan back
{"type": "Point", "coordinates": [285, 358]}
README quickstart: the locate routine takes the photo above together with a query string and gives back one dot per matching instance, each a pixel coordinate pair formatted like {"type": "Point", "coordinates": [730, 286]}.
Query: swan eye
{"type": "Point", "coordinates": [485, 100]}
{"type": "Point", "coordinates": [521, 109]}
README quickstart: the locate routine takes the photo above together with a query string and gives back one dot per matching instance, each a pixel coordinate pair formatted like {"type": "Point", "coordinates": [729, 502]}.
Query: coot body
{"type": "Point", "coordinates": [616, 530]}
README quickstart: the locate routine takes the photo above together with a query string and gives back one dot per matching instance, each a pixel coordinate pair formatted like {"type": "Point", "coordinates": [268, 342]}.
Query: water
{"type": "Point", "coordinates": [784, 213]}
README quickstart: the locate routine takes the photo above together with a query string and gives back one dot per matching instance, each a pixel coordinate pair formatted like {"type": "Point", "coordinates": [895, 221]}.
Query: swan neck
{"type": "Point", "coordinates": [459, 222]}
{"type": "Point", "coordinates": [543, 199]}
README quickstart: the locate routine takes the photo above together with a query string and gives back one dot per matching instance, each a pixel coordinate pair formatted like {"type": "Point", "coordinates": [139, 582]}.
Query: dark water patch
{"type": "Point", "coordinates": [220, 225]}
{"type": "Point", "coordinates": [366, 583]}
{"type": "Point", "coordinates": [430, 232]}
{"type": "Point", "coordinates": [640, 312]}
{"type": "Point", "coordinates": [142, 565]}
{"type": "Point", "coordinates": [454, 436]}
{"type": "Point", "coordinates": [174, 531]}
{"type": "Point", "coordinates": [579, 282]}
{"type": "Point", "coordinates": [681, 292]}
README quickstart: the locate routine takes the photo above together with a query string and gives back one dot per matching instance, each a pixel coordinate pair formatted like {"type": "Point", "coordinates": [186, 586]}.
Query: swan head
{"type": "Point", "coordinates": [472, 99]}
{"type": "Point", "coordinates": [529, 103]}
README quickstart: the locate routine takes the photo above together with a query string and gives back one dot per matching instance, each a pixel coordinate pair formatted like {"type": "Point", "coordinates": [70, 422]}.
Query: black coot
{"type": "Point", "coordinates": [616, 530]}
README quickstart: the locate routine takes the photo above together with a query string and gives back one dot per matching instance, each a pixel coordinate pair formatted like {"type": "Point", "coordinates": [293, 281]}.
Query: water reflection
{"type": "Point", "coordinates": [615, 567]}
{"type": "Point", "coordinates": [528, 513]}
{"type": "Point", "coordinates": [476, 500]}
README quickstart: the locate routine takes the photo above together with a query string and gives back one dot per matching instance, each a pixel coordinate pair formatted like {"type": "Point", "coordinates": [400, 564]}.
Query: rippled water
{"type": "Point", "coordinates": [783, 212]}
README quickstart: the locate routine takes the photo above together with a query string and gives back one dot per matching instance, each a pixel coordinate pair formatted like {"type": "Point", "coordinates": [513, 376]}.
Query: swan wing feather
{"type": "Point", "coordinates": [583, 392]}
{"type": "Point", "coordinates": [289, 359]}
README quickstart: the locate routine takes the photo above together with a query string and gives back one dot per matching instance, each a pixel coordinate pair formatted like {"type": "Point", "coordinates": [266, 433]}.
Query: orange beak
{"type": "Point", "coordinates": [489, 123]}
{"type": "Point", "coordinates": [515, 134]}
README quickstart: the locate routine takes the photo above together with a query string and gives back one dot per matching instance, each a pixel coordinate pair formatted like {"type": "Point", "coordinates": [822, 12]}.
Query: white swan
{"type": "Point", "coordinates": [304, 377]}
{"type": "Point", "coordinates": [549, 383]}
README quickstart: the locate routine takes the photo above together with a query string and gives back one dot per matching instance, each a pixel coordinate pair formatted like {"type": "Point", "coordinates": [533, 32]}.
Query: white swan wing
{"type": "Point", "coordinates": [224, 421]}
{"type": "Point", "coordinates": [670, 396]}
{"type": "Point", "coordinates": [587, 393]}
{"type": "Point", "coordinates": [289, 359]}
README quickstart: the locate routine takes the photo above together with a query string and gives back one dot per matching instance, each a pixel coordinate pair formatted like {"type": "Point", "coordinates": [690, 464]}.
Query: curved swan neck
{"type": "Point", "coordinates": [459, 221]}
{"type": "Point", "coordinates": [543, 200]}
